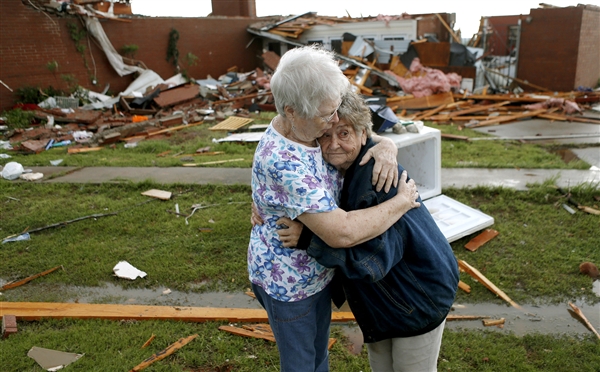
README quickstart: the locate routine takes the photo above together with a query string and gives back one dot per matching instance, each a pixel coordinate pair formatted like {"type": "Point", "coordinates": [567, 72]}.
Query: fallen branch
{"type": "Point", "coordinates": [64, 223]}
{"type": "Point", "coordinates": [584, 319]}
{"type": "Point", "coordinates": [28, 279]}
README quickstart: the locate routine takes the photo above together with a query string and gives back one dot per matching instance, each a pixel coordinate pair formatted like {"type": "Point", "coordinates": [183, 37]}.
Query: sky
{"type": "Point", "coordinates": [468, 12]}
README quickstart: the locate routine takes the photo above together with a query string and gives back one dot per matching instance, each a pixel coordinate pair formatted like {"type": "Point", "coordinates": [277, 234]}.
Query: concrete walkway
{"type": "Point", "coordinates": [451, 177]}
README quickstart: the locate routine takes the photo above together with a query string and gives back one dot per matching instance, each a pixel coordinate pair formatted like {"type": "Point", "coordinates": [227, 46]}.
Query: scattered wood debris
{"type": "Point", "coordinates": [488, 284]}
{"type": "Point", "coordinates": [145, 345]}
{"type": "Point", "coordinates": [464, 286]}
{"type": "Point", "coordinates": [30, 278]}
{"type": "Point", "coordinates": [164, 353]}
{"type": "Point", "coordinates": [481, 239]}
{"type": "Point", "coordinates": [494, 322]}
{"type": "Point", "coordinates": [261, 331]}
{"type": "Point", "coordinates": [584, 319]}
{"type": "Point", "coordinates": [158, 194]}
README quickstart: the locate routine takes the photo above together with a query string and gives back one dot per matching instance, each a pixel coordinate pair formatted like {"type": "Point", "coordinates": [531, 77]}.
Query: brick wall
{"type": "Point", "coordinates": [549, 47]}
{"type": "Point", "coordinates": [498, 40]}
{"type": "Point", "coordinates": [588, 60]}
{"type": "Point", "coordinates": [30, 39]}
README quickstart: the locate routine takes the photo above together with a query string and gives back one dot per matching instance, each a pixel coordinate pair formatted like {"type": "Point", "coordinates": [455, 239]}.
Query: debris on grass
{"type": "Point", "coordinates": [488, 284]}
{"type": "Point", "coordinates": [158, 194]}
{"type": "Point", "coordinates": [127, 271]}
{"type": "Point", "coordinates": [579, 313]}
{"type": "Point", "coordinates": [149, 341]}
{"type": "Point", "coordinates": [28, 279]}
{"type": "Point", "coordinates": [164, 353]}
{"type": "Point", "coordinates": [481, 239]}
{"type": "Point", "coordinates": [52, 360]}
{"type": "Point", "coordinates": [589, 269]}
{"type": "Point", "coordinates": [494, 322]}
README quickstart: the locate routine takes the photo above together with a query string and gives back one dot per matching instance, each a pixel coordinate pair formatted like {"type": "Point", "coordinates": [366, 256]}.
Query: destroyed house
{"type": "Point", "coordinates": [551, 47]}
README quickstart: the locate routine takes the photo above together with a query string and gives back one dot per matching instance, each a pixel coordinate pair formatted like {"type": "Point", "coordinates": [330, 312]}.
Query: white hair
{"type": "Point", "coordinates": [305, 78]}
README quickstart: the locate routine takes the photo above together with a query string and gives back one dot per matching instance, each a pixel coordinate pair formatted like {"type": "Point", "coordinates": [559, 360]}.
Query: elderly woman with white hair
{"type": "Point", "coordinates": [290, 178]}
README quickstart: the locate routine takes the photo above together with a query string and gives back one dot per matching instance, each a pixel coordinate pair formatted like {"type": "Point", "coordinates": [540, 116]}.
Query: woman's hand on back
{"type": "Point", "coordinates": [385, 169]}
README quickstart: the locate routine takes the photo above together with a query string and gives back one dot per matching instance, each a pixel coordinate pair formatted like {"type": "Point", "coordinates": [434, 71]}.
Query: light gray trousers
{"type": "Point", "coordinates": [407, 354]}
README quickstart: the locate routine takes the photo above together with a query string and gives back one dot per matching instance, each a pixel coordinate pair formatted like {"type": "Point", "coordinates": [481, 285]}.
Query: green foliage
{"type": "Point", "coordinates": [18, 118]}
{"type": "Point", "coordinates": [52, 66]}
{"type": "Point", "coordinates": [172, 51]}
{"type": "Point", "coordinates": [129, 50]}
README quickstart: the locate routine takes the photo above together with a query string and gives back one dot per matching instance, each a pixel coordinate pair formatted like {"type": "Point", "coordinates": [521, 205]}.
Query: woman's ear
{"type": "Point", "coordinates": [363, 139]}
{"type": "Point", "coordinates": [289, 113]}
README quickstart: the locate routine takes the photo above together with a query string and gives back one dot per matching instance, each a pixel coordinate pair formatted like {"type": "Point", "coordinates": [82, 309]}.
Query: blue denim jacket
{"type": "Point", "coordinates": [401, 283]}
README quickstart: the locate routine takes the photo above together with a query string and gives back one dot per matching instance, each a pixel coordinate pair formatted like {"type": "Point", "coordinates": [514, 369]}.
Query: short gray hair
{"type": "Point", "coordinates": [355, 112]}
{"type": "Point", "coordinates": [305, 78]}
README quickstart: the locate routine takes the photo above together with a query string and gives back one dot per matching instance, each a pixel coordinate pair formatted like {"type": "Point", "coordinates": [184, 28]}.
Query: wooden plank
{"type": "Point", "coordinates": [426, 102]}
{"type": "Point", "coordinates": [164, 353]}
{"type": "Point", "coordinates": [77, 150]}
{"type": "Point", "coordinates": [481, 239]}
{"type": "Point", "coordinates": [477, 109]}
{"type": "Point", "coordinates": [28, 279]}
{"type": "Point", "coordinates": [584, 319]}
{"type": "Point", "coordinates": [248, 333]}
{"type": "Point", "coordinates": [450, 30]}
{"type": "Point", "coordinates": [488, 284]}
{"type": "Point", "coordinates": [54, 310]}
{"type": "Point", "coordinates": [158, 194]}
{"type": "Point", "coordinates": [504, 119]}
{"type": "Point", "coordinates": [427, 114]}
{"type": "Point", "coordinates": [455, 137]}
{"type": "Point", "coordinates": [493, 322]}
{"type": "Point", "coordinates": [464, 286]}
{"type": "Point", "coordinates": [232, 123]}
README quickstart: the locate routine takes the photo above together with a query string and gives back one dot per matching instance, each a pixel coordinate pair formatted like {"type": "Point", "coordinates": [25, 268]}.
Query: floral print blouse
{"type": "Point", "coordinates": [288, 179]}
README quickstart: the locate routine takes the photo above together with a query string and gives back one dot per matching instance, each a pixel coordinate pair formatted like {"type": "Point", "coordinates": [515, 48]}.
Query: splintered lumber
{"type": "Point", "coordinates": [28, 279]}
{"type": "Point", "coordinates": [158, 194]}
{"type": "Point", "coordinates": [493, 322]}
{"type": "Point", "coordinates": [427, 102]}
{"type": "Point", "coordinates": [466, 317]}
{"type": "Point", "coordinates": [504, 119]}
{"type": "Point", "coordinates": [464, 286]}
{"type": "Point", "coordinates": [261, 331]}
{"type": "Point", "coordinates": [164, 353]}
{"type": "Point", "coordinates": [232, 123]}
{"type": "Point", "coordinates": [429, 113]}
{"type": "Point", "coordinates": [455, 137]}
{"type": "Point", "coordinates": [488, 284]}
{"type": "Point", "coordinates": [38, 310]}
{"type": "Point", "coordinates": [450, 30]}
{"type": "Point", "coordinates": [149, 341]}
{"type": "Point", "coordinates": [212, 162]}
{"type": "Point", "coordinates": [252, 333]}
{"type": "Point", "coordinates": [473, 109]}
{"type": "Point", "coordinates": [77, 150]}
{"type": "Point", "coordinates": [584, 319]}
{"type": "Point", "coordinates": [481, 239]}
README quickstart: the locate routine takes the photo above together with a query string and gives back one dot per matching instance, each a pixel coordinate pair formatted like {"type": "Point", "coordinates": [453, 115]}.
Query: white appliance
{"type": "Point", "coordinates": [421, 155]}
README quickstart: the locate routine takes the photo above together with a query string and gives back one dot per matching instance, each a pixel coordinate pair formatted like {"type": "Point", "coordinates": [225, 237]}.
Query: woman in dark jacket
{"type": "Point", "coordinates": [399, 285]}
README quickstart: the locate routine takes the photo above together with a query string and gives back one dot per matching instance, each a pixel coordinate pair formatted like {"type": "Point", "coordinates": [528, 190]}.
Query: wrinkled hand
{"type": "Point", "coordinates": [290, 236]}
{"type": "Point", "coordinates": [255, 218]}
{"type": "Point", "coordinates": [385, 169]}
{"type": "Point", "coordinates": [409, 191]}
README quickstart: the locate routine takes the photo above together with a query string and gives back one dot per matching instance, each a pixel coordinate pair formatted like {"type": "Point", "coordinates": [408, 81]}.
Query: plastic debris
{"type": "Point", "coordinates": [126, 271]}
{"type": "Point", "coordinates": [12, 170]}
{"type": "Point", "coordinates": [17, 238]}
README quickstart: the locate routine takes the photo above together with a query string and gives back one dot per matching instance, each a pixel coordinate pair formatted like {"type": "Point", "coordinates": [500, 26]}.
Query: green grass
{"type": "Point", "coordinates": [116, 346]}
{"type": "Point", "coordinates": [182, 144]}
{"type": "Point", "coordinates": [535, 257]}
{"type": "Point", "coordinates": [499, 154]}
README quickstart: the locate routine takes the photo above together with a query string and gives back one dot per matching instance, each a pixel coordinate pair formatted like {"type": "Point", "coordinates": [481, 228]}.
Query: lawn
{"type": "Point", "coordinates": [534, 259]}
